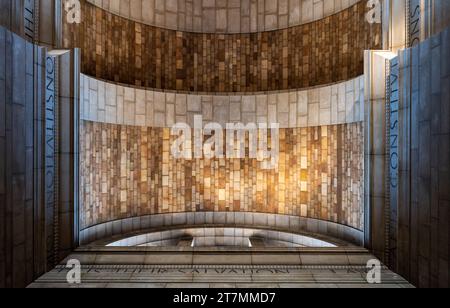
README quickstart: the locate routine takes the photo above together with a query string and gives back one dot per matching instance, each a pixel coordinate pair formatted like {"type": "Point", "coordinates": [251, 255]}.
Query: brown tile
{"type": "Point", "coordinates": [135, 175]}
{"type": "Point", "coordinates": [324, 51]}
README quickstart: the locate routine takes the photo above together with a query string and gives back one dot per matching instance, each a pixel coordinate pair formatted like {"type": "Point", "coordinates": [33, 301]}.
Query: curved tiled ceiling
{"type": "Point", "coordinates": [334, 104]}
{"type": "Point", "coordinates": [321, 52]}
{"type": "Point", "coordinates": [224, 16]}
{"type": "Point", "coordinates": [126, 167]}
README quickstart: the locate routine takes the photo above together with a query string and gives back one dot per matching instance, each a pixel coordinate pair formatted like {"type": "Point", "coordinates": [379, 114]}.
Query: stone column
{"type": "Point", "coordinates": [394, 24]}
{"type": "Point", "coordinates": [22, 210]}
{"type": "Point", "coordinates": [66, 113]}
{"type": "Point", "coordinates": [376, 209]}
{"type": "Point", "coordinates": [423, 162]}
{"type": "Point", "coordinates": [426, 18]}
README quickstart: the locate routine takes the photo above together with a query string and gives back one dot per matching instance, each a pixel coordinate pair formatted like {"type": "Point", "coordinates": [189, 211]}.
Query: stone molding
{"type": "Point", "coordinates": [111, 103]}
{"type": "Point", "coordinates": [224, 16]}
{"type": "Point", "coordinates": [127, 227]}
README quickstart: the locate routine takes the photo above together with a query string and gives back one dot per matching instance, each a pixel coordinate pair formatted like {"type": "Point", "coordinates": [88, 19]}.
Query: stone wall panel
{"type": "Point", "coordinates": [17, 203]}
{"type": "Point", "coordinates": [328, 105]}
{"type": "Point", "coordinates": [424, 176]}
{"type": "Point", "coordinates": [224, 16]}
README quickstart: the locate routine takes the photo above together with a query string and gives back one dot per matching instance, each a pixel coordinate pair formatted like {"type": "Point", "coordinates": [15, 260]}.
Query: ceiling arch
{"type": "Point", "coordinates": [325, 51]}
{"type": "Point", "coordinates": [224, 16]}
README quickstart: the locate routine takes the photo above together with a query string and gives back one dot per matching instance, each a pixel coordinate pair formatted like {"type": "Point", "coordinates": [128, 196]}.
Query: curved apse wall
{"type": "Point", "coordinates": [224, 16]}
{"type": "Point", "coordinates": [128, 171]}
{"type": "Point", "coordinates": [321, 52]}
{"type": "Point", "coordinates": [107, 102]}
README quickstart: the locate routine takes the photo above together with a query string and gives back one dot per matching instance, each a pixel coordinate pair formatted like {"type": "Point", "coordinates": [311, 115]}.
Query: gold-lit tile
{"type": "Point", "coordinates": [135, 175]}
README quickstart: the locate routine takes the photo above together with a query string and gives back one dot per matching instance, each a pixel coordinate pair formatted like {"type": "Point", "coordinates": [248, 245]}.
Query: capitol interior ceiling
{"type": "Point", "coordinates": [219, 144]}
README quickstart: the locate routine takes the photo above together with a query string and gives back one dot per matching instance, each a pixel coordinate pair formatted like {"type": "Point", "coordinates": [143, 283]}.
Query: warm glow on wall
{"type": "Point", "coordinates": [319, 175]}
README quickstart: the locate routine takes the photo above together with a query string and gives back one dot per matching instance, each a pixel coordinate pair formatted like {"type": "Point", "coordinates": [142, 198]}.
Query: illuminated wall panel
{"type": "Point", "coordinates": [128, 171]}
